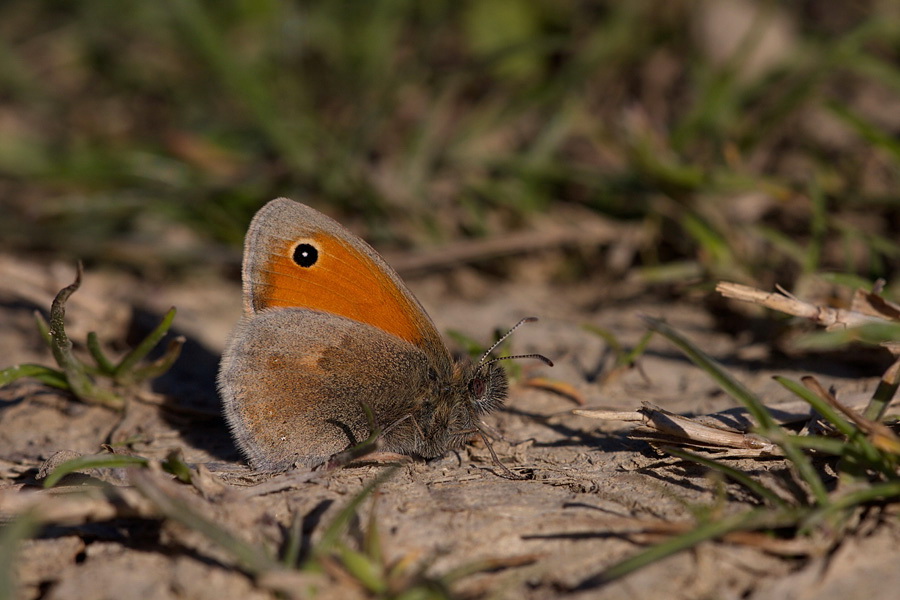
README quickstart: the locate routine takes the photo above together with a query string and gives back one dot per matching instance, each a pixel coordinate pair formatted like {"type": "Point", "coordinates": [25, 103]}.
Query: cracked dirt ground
{"type": "Point", "coordinates": [588, 486]}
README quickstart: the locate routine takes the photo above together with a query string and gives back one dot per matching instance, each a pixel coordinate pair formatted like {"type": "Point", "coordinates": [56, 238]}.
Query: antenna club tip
{"type": "Point", "coordinates": [541, 358]}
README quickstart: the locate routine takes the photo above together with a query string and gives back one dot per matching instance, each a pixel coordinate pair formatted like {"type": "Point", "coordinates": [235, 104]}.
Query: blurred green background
{"type": "Point", "coordinates": [748, 140]}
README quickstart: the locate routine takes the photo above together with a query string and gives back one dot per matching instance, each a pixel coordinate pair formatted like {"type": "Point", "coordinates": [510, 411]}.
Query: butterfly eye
{"type": "Point", "coordinates": [476, 387]}
{"type": "Point", "coordinates": [306, 255]}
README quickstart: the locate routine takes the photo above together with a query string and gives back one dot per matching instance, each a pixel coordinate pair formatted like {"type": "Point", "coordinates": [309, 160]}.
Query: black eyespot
{"type": "Point", "coordinates": [306, 255]}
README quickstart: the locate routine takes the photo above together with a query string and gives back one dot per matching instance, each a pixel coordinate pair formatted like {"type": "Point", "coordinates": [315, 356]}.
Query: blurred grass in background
{"type": "Point", "coordinates": [753, 140]}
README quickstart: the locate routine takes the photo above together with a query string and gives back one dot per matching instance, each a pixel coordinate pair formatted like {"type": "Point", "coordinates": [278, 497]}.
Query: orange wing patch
{"type": "Point", "coordinates": [343, 281]}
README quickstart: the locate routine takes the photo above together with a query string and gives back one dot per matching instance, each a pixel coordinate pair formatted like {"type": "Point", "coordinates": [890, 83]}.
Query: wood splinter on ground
{"type": "Point", "coordinates": [712, 433]}
{"type": "Point", "coordinates": [865, 307]}
{"type": "Point", "coordinates": [662, 426]}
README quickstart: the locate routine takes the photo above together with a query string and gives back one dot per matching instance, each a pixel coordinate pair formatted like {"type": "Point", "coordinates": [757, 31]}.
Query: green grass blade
{"type": "Point", "coordinates": [103, 363]}
{"type": "Point", "coordinates": [732, 386]}
{"type": "Point", "coordinates": [818, 227]}
{"type": "Point", "coordinates": [607, 336]}
{"type": "Point", "coordinates": [45, 375]}
{"type": "Point", "coordinates": [125, 367]}
{"type": "Point", "coordinates": [175, 465]}
{"type": "Point", "coordinates": [470, 346]}
{"type": "Point", "coordinates": [884, 393]}
{"type": "Point", "coordinates": [332, 533]}
{"type": "Point", "coordinates": [818, 443]}
{"type": "Point", "coordinates": [877, 68]}
{"type": "Point", "coordinates": [61, 346]}
{"type": "Point", "coordinates": [740, 477]}
{"type": "Point", "coordinates": [820, 406]}
{"type": "Point", "coordinates": [750, 520]}
{"type": "Point", "coordinates": [291, 558]}
{"type": "Point", "coordinates": [630, 357]}
{"type": "Point", "coordinates": [43, 327]}
{"type": "Point", "coordinates": [79, 382]}
{"type": "Point", "coordinates": [792, 447]}
{"type": "Point", "coordinates": [372, 538]}
{"type": "Point", "coordinates": [12, 534]}
{"type": "Point", "coordinates": [871, 133]}
{"type": "Point", "coordinates": [877, 492]}
{"type": "Point", "coordinates": [857, 439]}
{"type": "Point", "coordinates": [709, 239]}
{"type": "Point", "coordinates": [847, 280]}
{"type": "Point", "coordinates": [294, 142]}
{"type": "Point", "coordinates": [162, 364]}
{"type": "Point", "coordinates": [94, 461]}
{"type": "Point", "coordinates": [255, 560]}
{"type": "Point", "coordinates": [870, 333]}
{"type": "Point", "coordinates": [366, 571]}
{"type": "Point", "coordinates": [767, 426]}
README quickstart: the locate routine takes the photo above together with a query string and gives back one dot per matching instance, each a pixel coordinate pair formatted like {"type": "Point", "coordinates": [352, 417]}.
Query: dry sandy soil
{"type": "Point", "coordinates": [588, 485]}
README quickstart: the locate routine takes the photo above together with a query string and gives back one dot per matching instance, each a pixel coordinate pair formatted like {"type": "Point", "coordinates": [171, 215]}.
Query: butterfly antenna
{"type": "Point", "coordinates": [540, 357]}
{"type": "Point", "coordinates": [482, 364]}
{"type": "Point", "coordinates": [505, 335]}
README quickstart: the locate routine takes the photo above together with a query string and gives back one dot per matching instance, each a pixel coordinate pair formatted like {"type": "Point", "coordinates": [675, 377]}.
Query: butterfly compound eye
{"type": "Point", "coordinates": [476, 387]}
{"type": "Point", "coordinates": [306, 255]}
